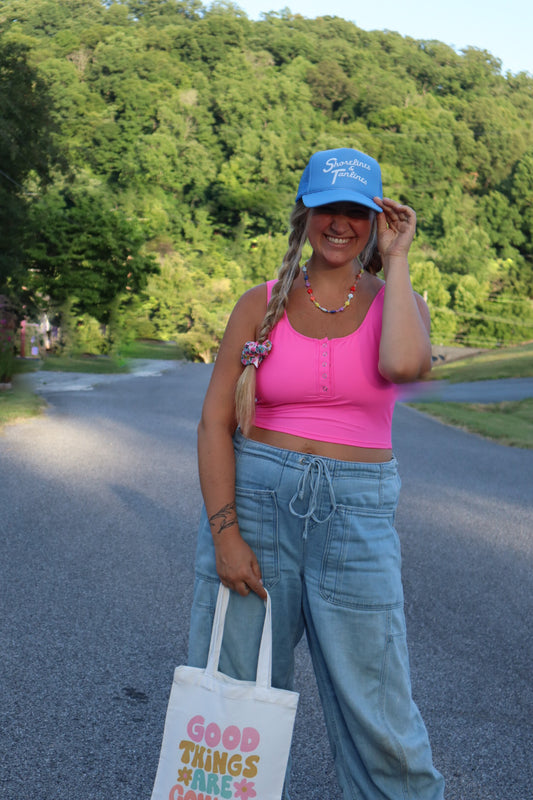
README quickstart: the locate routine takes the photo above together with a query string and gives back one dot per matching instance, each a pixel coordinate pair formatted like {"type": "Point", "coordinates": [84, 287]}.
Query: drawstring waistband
{"type": "Point", "coordinates": [311, 478]}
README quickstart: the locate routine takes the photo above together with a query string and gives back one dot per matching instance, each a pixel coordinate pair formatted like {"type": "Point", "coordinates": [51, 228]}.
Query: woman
{"type": "Point", "coordinates": [301, 497]}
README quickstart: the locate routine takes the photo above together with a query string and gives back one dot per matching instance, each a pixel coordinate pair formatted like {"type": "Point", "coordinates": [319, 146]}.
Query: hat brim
{"type": "Point", "coordinates": [314, 200]}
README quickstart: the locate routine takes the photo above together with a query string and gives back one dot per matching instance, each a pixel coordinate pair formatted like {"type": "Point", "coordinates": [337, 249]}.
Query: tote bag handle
{"type": "Point", "coordinates": [264, 662]}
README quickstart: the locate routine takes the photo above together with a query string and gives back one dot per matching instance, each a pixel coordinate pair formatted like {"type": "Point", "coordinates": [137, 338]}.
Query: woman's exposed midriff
{"type": "Point", "coordinates": [341, 452]}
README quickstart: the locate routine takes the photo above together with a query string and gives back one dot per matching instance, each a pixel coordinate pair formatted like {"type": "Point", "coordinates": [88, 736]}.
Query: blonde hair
{"type": "Point", "coordinates": [369, 256]}
{"type": "Point", "coordinates": [288, 272]}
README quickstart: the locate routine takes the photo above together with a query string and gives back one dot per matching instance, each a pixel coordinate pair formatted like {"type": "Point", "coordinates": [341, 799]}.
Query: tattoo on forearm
{"type": "Point", "coordinates": [225, 518]}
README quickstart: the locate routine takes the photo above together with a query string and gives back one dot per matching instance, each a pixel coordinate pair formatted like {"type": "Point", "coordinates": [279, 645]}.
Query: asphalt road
{"type": "Point", "coordinates": [99, 502]}
{"type": "Point", "coordinates": [508, 389]}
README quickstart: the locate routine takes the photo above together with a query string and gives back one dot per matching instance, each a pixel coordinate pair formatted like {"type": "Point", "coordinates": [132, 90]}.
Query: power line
{"type": "Point", "coordinates": [11, 179]}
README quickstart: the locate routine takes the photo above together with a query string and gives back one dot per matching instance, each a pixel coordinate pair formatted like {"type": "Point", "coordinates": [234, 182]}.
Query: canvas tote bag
{"type": "Point", "coordinates": [226, 739]}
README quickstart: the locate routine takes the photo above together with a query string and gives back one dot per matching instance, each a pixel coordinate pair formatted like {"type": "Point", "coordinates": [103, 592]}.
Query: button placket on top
{"type": "Point", "coordinates": [324, 367]}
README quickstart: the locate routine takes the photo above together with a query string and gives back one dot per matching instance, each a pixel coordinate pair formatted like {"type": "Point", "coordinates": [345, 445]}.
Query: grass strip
{"type": "Point", "coordinates": [16, 405]}
{"type": "Point", "coordinates": [102, 365]}
{"type": "Point", "coordinates": [511, 362]}
{"type": "Point", "coordinates": [508, 423]}
{"type": "Point", "coordinates": [168, 351]}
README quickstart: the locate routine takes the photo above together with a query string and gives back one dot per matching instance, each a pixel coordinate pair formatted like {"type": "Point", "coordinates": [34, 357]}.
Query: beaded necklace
{"type": "Point", "coordinates": [315, 302]}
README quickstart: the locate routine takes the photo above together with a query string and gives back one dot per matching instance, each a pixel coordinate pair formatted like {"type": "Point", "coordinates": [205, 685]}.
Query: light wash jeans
{"type": "Point", "coordinates": [323, 532]}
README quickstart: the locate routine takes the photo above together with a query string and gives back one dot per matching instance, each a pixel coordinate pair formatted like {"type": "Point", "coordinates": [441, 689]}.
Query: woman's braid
{"type": "Point", "coordinates": [290, 266]}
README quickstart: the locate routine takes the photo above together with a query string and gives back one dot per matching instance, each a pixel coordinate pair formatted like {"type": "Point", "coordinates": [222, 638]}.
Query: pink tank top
{"type": "Point", "coordinates": [327, 389]}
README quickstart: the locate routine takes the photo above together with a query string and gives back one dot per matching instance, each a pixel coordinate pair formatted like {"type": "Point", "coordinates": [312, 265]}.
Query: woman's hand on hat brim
{"type": "Point", "coordinates": [396, 228]}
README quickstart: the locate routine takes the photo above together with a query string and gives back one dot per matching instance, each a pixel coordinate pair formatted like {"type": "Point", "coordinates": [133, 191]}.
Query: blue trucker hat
{"type": "Point", "coordinates": [341, 175]}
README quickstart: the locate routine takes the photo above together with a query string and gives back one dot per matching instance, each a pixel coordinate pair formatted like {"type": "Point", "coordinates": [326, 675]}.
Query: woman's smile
{"type": "Point", "coordinates": [338, 231]}
{"type": "Point", "coordinates": [337, 239]}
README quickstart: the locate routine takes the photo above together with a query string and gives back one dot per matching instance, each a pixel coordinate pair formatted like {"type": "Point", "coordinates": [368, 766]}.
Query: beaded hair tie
{"type": "Point", "coordinates": [255, 352]}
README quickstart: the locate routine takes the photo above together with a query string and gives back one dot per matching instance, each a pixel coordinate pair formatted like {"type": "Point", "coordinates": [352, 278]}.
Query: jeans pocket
{"type": "Point", "coordinates": [361, 565]}
{"type": "Point", "coordinates": [257, 513]}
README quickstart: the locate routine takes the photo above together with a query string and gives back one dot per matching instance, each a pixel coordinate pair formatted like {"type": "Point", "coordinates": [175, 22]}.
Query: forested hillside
{"type": "Point", "coordinates": [150, 152]}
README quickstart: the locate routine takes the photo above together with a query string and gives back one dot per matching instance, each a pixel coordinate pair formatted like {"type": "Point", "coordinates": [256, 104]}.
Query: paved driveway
{"type": "Point", "coordinates": [99, 503]}
{"type": "Point", "coordinates": [508, 389]}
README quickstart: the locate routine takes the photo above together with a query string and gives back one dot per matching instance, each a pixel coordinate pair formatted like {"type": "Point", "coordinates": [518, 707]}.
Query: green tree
{"type": "Point", "coordinates": [463, 246]}
{"type": "Point", "coordinates": [85, 254]}
{"type": "Point", "coordinates": [26, 154]}
{"type": "Point", "coordinates": [190, 299]}
{"type": "Point", "coordinates": [522, 197]}
{"type": "Point", "coordinates": [429, 282]}
{"type": "Point", "coordinates": [501, 220]}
